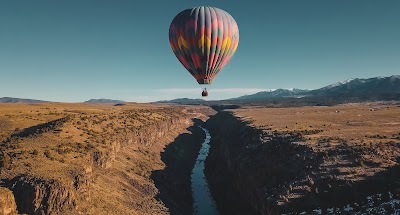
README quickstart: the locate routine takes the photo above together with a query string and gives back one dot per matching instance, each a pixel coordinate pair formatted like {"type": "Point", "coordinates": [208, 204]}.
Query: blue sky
{"type": "Point", "coordinates": [74, 50]}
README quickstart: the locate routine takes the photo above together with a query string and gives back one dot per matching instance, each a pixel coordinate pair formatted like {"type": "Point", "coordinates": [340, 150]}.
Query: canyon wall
{"type": "Point", "coordinates": [259, 171]}
{"type": "Point", "coordinates": [249, 172]}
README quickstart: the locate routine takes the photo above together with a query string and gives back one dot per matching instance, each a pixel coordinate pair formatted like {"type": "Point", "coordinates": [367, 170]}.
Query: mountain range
{"type": "Point", "coordinates": [352, 90]}
{"type": "Point", "coordinates": [378, 85]}
{"type": "Point", "coordinates": [278, 93]}
{"type": "Point", "coordinates": [19, 100]}
{"type": "Point", "coordinates": [371, 87]}
{"type": "Point", "coordinates": [31, 101]}
{"type": "Point", "coordinates": [105, 101]}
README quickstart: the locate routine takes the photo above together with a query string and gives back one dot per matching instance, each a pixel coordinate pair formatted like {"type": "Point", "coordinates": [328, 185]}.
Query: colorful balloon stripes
{"type": "Point", "coordinates": [204, 39]}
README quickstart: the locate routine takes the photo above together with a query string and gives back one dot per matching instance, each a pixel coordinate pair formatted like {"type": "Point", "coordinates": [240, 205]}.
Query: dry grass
{"type": "Point", "coordinates": [65, 145]}
{"type": "Point", "coordinates": [356, 123]}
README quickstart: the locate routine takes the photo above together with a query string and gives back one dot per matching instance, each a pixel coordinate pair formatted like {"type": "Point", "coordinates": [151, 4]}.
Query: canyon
{"type": "Point", "coordinates": [60, 158]}
{"type": "Point", "coordinates": [305, 160]}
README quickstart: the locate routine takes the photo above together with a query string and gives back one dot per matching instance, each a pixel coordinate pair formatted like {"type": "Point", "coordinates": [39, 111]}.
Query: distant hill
{"type": "Point", "coordinates": [184, 101]}
{"type": "Point", "coordinates": [19, 100]}
{"type": "Point", "coordinates": [104, 101]}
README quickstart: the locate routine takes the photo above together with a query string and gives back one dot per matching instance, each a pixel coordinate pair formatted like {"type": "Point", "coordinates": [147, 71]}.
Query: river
{"type": "Point", "coordinates": [203, 203]}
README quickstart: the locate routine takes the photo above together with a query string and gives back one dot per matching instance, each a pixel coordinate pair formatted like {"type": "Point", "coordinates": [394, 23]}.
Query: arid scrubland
{"type": "Point", "coordinates": [355, 123]}
{"type": "Point", "coordinates": [372, 128]}
{"type": "Point", "coordinates": [88, 159]}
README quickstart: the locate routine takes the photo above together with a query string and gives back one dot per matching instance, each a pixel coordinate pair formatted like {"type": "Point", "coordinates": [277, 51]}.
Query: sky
{"type": "Point", "coordinates": [75, 50]}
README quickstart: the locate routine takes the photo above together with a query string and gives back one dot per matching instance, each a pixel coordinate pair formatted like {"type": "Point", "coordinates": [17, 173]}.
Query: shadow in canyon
{"type": "Point", "coordinates": [174, 181]}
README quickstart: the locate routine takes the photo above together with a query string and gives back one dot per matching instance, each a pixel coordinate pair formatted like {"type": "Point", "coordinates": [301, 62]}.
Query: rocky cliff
{"type": "Point", "coordinates": [252, 172]}
{"type": "Point", "coordinates": [38, 196]}
{"type": "Point", "coordinates": [7, 202]}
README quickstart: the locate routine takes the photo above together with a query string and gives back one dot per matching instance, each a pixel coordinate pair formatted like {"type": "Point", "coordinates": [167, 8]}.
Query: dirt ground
{"type": "Point", "coordinates": [354, 123]}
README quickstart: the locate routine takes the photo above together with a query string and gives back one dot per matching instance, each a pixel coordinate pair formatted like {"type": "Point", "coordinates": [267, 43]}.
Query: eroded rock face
{"type": "Point", "coordinates": [105, 159]}
{"type": "Point", "coordinates": [83, 181]}
{"type": "Point", "coordinates": [144, 136]}
{"type": "Point", "coordinates": [39, 196]}
{"type": "Point", "coordinates": [249, 173]}
{"type": "Point", "coordinates": [7, 202]}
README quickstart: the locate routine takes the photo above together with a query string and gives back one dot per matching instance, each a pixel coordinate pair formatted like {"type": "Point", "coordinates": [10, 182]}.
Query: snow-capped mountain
{"type": "Point", "coordinates": [351, 90]}
{"type": "Point", "coordinates": [339, 83]}
{"type": "Point", "coordinates": [356, 87]}
{"type": "Point", "coordinates": [278, 93]}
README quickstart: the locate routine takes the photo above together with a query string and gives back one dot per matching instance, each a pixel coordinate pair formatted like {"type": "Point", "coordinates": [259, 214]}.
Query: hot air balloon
{"type": "Point", "coordinates": [204, 39]}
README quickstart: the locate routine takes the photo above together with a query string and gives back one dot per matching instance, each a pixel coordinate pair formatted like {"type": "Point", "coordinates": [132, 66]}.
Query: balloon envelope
{"type": "Point", "coordinates": [204, 39]}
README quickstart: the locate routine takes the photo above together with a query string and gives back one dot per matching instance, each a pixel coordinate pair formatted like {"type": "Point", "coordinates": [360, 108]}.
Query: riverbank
{"type": "Point", "coordinates": [260, 168]}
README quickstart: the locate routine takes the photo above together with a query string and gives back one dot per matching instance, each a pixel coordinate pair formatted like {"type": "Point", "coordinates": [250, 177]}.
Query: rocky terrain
{"type": "Point", "coordinates": [7, 202]}
{"type": "Point", "coordinates": [98, 159]}
{"type": "Point", "coordinates": [309, 160]}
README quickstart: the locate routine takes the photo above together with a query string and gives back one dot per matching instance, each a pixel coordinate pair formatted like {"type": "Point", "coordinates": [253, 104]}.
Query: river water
{"type": "Point", "coordinates": [203, 203]}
